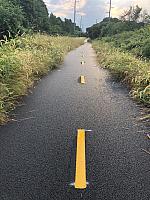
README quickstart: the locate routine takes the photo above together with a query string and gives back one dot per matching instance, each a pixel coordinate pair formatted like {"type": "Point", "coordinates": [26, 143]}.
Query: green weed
{"type": "Point", "coordinates": [126, 67]}
{"type": "Point", "coordinates": [24, 60]}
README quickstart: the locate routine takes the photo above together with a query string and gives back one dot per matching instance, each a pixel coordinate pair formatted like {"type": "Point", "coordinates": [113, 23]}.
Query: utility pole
{"type": "Point", "coordinates": [75, 10]}
{"type": "Point", "coordinates": [110, 6]}
{"type": "Point", "coordinates": [81, 22]}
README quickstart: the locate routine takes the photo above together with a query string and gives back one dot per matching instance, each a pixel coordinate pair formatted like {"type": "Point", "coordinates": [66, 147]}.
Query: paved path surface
{"type": "Point", "coordinates": [37, 152]}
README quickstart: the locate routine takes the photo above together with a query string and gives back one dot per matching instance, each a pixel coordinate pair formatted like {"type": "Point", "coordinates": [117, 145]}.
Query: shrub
{"type": "Point", "coordinates": [24, 60]}
{"type": "Point", "coordinates": [135, 72]}
{"type": "Point", "coordinates": [146, 50]}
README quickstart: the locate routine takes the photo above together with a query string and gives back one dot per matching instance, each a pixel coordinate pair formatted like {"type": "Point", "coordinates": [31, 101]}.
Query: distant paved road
{"type": "Point", "coordinates": [37, 152]}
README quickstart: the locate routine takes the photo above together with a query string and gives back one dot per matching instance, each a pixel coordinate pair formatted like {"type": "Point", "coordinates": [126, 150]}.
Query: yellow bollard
{"type": "Point", "coordinates": [80, 176]}
{"type": "Point", "coordinates": [82, 79]}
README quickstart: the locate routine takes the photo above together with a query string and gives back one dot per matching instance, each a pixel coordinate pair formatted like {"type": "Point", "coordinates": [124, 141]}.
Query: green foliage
{"type": "Point", "coordinates": [11, 18]}
{"type": "Point", "coordinates": [66, 27]}
{"type": "Point", "coordinates": [111, 27]}
{"type": "Point", "coordinates": [24, 15]}
{"type": "Point", "coordinates": [124, 54]}
{"type": "Point", "coordinates": [136, 42]}
{"type": "Point", "coordinates": [124, 66]}
{"type": "Point", "coordinates": [36, 14]}
{"type": "Point", "coordinates": [146, 50]}
{"type": "Point", "coordinates": [136, 13]}
{"type": "Point", "coordinates": [24, 60]}
{"type": "Point", "coordinates": [16, 15]}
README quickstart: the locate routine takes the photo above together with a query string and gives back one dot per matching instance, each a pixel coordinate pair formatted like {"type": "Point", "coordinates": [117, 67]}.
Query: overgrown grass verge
{"type": "Point", "coordinates": [136, 42]}
{"type": "Point", "coordinates": [24, 60]}
{"type": "Point", "coordinates": [126, 67]}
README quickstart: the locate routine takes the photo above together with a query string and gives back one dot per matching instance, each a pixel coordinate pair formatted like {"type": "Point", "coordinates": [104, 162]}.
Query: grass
{"type": "Point", "coordinates": [24, 60]}
{"type": "Point", "coordinates": [126, 67]}
{"type": "Point", "coordinates": [136, 42]}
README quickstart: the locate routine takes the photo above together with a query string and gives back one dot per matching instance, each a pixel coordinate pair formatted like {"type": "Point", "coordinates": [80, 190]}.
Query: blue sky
{"type": "Point", "coordinates": [92, 10]}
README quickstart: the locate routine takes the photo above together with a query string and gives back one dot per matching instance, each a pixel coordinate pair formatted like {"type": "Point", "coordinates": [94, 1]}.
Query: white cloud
{"type": "Point", "coordinates": [92, 10]}
{"type": "Point", "coordinates": [145, 4]}
{"type": "Point", "coordinates": [64, 7]}
{"type": "Point", "coordinates": [120, 6]}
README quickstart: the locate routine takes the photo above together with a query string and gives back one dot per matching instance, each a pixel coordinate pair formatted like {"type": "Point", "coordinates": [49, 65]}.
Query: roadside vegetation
{"type": "Point", "coordinates": [127, 68]}
{"type": "Point", "coordinates": [32, 42]}
{"type": "Point", "coordinates": [136, 42]}
{"type": "Point", "coordinates": [24, 60]}
{"type": "Point", "coordinates": [123, 46]}
{"type": "Point", "coordinates": [19, 16]}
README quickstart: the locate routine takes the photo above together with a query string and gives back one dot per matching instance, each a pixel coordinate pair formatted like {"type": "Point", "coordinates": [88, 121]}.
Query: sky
{"type": "Point", "coordinates": [92, 10]}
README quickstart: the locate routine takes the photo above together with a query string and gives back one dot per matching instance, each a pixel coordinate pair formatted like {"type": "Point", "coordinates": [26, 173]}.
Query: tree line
{"type": "Point", "coordinates": [130, 20]}
{"type": "Point", "coordinates": [18, 16]}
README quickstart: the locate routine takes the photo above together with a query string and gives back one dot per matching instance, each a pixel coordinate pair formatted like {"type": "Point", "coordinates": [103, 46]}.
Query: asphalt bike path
{"type": "Point", "coordinates": [38, 148]}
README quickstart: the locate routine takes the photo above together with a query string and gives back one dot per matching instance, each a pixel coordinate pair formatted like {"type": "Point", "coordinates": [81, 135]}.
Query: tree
{"type": "Point", "coordinates": [127, 15]}
{"type": "Point", "coordinates": [136, 13]}
{"type": "Point", "coordinates": [16, 15]}
{"type": "Point", "coordinates": [11, 18]}
{"type": "Point", "coordinates": [133, 14]}
{"type": "Point", "coordinates": [68, 26]}
{"type": "Point", "coordinates": [57, 26]}
{"type": "Point", "coordinates": [36, 14]}
{"type": "Point", "coordinates": [145, 17]}
{"type": "Point", "coordinates": [112, 27]}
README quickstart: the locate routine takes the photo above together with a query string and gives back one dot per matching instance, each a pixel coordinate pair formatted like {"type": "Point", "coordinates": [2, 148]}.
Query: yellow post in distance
{"type": "Point", "coordinates": [82, 62]}
{"type": "Point", "coordinates": [80, 176]}
{"type": "Point", "coordinates": [82, 79]}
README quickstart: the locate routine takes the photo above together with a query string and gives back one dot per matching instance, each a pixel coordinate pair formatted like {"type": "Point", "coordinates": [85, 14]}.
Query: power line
{"type": "Point", "coordinates": [81, 22]}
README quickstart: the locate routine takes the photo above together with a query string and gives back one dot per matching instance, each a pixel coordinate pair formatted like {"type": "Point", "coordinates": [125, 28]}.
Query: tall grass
{"type": "Point", "coordinates": [24, 60]}
{"type": "Point", "coordinates": [136, 42]}
{"type": "Point", "coordinates": [124, 66]}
